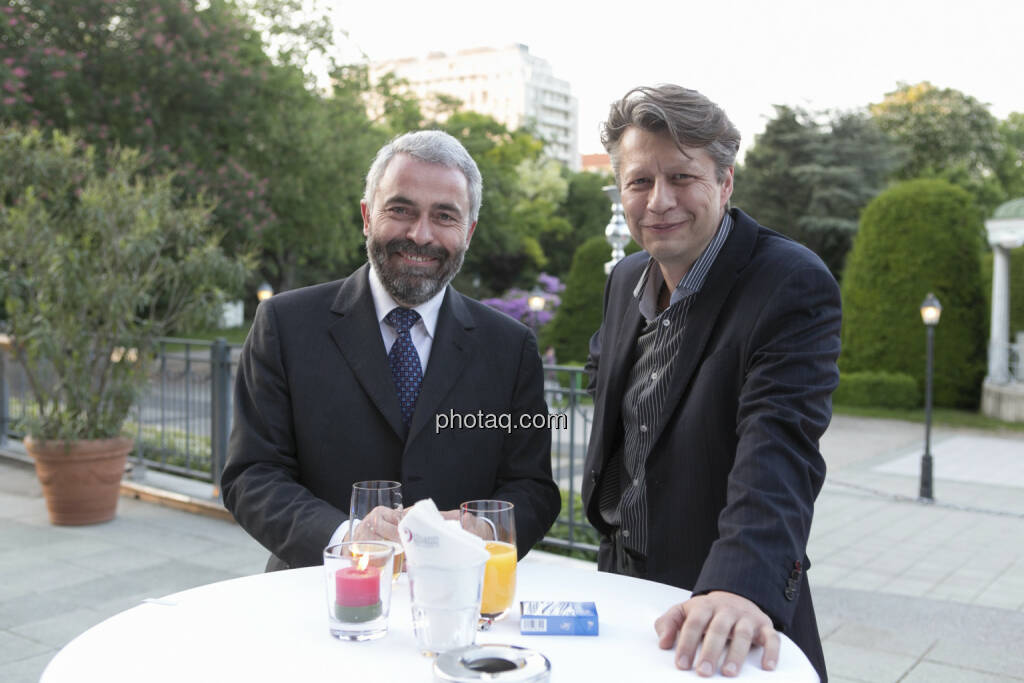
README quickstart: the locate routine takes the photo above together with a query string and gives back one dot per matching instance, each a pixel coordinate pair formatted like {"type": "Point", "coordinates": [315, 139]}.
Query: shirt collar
{"type": "Point", "coordinates": [651, 279]}
{"type": "Point", "coordinates": [383, 303]}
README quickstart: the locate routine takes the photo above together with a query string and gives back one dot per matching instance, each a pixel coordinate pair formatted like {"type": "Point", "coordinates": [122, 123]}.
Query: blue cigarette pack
{"type": "Point", "coordinates": [549, 618]}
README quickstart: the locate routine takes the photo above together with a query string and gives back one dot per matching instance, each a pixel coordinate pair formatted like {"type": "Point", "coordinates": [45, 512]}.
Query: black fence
{"type": "Point", "coordinates": [182, 421]}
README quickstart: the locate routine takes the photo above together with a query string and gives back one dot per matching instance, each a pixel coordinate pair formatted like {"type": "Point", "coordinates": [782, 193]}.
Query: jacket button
{"type": "Point", "coordinates": [790, 593]}
{"type": "Point", "coordinates": [593, 476]}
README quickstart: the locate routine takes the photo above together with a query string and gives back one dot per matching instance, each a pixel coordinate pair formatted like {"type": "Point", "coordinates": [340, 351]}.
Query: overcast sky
{"type": "Point", "coordinates": [745, 55]}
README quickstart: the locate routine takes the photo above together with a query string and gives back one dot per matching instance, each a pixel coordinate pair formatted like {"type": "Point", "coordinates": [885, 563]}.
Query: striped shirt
{"type": "Point", "coordinates": [623, 497]}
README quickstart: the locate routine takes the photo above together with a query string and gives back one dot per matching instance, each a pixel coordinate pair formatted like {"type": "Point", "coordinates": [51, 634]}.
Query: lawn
{"type": "Point", "coordinates": [947, 417]}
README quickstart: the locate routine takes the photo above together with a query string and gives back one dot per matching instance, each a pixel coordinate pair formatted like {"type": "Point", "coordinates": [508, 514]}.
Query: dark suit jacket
{"type": "Point", "coordinates": [735, 466]}
{"type": "Point", "coordinates": [315, 409]}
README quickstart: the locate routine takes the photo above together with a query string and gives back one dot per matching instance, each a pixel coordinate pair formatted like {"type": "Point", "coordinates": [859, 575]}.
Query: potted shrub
{"type": "Point", "coordinates": [98, 260]}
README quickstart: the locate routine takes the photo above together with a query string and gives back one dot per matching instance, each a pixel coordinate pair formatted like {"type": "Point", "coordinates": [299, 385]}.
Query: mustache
{"type": "Point", "coordinates": [407, 246]}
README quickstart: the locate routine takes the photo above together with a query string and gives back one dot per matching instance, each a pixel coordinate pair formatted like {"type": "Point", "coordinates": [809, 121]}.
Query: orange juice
{"type": "Point", "coordinates": [499, 579]}
{"type": "Point", "coordinates": [399, 566]}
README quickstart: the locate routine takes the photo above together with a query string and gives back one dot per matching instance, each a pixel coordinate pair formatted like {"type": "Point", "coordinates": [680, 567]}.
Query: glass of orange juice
{"type": "Point", "coordinates": [494, 521]}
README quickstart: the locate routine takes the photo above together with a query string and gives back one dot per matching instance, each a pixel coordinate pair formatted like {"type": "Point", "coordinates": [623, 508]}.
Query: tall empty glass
{"type": "Point", "coordinates": [366, 495]}
{"type": "Point", "coordinates": [494, 521]}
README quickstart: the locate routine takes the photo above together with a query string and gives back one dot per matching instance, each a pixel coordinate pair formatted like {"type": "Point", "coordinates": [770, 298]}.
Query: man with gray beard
{"type": "Point", "coordinates": [342, 382]}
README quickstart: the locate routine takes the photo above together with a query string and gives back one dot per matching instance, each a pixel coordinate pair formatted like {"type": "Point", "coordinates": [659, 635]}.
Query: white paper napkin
{"type": "Point", "coordinates": [431, 540]}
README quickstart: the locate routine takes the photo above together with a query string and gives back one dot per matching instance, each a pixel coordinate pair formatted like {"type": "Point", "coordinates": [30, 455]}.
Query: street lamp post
{"type": "Point", "coordinates": [617, 233]}
{"type": "Point", "coordinates": [931, 310]}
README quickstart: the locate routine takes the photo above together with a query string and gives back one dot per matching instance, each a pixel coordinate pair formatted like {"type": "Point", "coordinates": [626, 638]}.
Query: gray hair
{"type": "Point", "coordinates": [690, 118]}
{"type": "Point", "coordinates": [433, 147]}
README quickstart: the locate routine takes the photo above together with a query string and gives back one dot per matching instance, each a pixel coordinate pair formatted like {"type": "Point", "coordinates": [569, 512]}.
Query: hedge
{"type": "Point", "coordinates": [579, 314]}
{"type": "Point", "coordinates": [877, 390]}
{"type": "Point", "coordinates": [917, 237]}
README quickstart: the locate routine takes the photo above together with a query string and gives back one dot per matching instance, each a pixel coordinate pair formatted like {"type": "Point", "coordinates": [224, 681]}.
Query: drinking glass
{"type": "Point", "coordinates": [445, 604]}
{"type": "Point", "coordinates": [366, 495]}
{"type": "Point", "coordinates": [494, 521]}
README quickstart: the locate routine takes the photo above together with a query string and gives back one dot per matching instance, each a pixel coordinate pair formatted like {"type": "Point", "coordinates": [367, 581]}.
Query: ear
{"type": "Point", "coordinates": [469, 234]}
{"type": "Point", "coordinates": [727, 186]}
{"type": "Point", "coordinates": [364, 210]}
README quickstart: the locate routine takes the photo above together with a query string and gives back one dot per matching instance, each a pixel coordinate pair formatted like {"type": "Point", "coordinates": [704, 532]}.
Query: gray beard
{"type": "Point", "coordinates": [408, 287]}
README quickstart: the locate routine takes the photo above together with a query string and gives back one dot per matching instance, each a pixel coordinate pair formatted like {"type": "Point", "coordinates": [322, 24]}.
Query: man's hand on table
{"type": "Point", "coordinates": [381, 524]}
{"type": "Point", "coordinates": [727, 623]}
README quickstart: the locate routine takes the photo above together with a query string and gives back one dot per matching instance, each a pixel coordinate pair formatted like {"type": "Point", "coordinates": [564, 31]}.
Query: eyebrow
{"type": "Point", "coordinates": [405, 201]}
{"type": "Point", "coordinates": [399, 199]}
{"type": "Point", "coordinates": [450, 208]}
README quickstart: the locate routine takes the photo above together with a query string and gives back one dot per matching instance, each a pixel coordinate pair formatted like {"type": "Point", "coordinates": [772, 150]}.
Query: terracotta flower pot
{"type": "Point", "coordinates": [81, 479]}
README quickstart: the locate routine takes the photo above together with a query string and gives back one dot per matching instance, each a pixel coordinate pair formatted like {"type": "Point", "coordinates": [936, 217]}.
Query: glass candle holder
{"type": "Point", "coordinates": [357, 576]}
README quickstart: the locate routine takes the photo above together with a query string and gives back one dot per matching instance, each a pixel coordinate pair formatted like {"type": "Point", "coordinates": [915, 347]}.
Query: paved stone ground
{"type": "Point", "coordinates": [904, 591]}
{"type": "Point", "coordinates": [910, 591]}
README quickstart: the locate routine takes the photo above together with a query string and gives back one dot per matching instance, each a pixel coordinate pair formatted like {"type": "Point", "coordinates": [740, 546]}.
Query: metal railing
{"type": "Point", "coordinates": [182, 421]}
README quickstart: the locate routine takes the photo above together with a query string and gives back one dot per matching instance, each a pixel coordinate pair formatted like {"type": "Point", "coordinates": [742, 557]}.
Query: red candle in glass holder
{"type": "Point", "coordinates": [357, 587]}
{"type": "Point", "coordinates": [357, 594]}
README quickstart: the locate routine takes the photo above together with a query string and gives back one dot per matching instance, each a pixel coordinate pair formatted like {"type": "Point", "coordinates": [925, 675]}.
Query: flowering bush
{"type": "Point", "coordinates": [516, 302]}
{"type": "Point", "coordinates": [89, 66]}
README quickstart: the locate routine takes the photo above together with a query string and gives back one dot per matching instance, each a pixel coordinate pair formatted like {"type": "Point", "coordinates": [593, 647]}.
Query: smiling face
{"type": "Point", "coordinates": [418, 228]}
{"type": "Point", "coordinates": [671, 198]}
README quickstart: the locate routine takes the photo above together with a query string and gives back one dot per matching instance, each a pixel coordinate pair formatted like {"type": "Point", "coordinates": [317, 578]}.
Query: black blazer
{"type": "Point", "coordinates": [735, 466]}
{"type": "Point", "coordinates": [315, 409]}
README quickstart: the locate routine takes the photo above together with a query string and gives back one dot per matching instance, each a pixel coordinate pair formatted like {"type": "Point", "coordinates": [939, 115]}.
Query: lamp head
{"type": "Point", "coordinates": [536, 302]}
{"type": "Point", "coordinates": [931, 310]}
{"type": "Point", "coordinates": [264, 291]}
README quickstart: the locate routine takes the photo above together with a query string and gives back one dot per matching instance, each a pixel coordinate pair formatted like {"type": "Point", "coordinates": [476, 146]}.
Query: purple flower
{"type": "Point", "coordinates": [550, 283]}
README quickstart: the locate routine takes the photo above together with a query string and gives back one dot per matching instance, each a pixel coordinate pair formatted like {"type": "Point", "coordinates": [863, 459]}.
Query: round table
{"type": "Point", "coordinates": [273, 627]}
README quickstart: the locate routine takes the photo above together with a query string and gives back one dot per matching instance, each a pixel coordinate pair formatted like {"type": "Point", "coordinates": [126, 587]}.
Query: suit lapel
{"type": "Point", "coordinates": [356, 332]}
{"type": "Point", "coordinates": [449, 355]}
{"type": "Point", "coordinates": [622, 350]}
{"type": "Point", "coordinates": [703, 313]}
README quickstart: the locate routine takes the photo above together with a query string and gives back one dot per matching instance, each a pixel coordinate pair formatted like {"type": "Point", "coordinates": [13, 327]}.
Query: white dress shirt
{"type": "Point", "coordinates": [422, 332]}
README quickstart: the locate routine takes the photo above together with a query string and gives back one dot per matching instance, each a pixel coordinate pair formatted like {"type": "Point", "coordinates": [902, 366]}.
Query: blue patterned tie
{"type": "Point", "coordinates": [405, 360]}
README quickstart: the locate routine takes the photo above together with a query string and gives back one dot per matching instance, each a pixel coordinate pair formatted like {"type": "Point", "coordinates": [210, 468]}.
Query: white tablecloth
{"type": "Point", "coordinates": [273, 628]}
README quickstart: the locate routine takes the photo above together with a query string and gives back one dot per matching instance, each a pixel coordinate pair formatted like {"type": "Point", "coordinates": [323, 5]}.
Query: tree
{"type": "Point", "coordinates": [809, 179]}
{"type": "Point", "coordinates": [96, 265]}
{"type": "Point", "coordinates": [947, 135]}
{"type": "Point", "coordinates": [505, 250]}
{"type": "Point", "coordinates": [917, 237]}
{"type": "Point", "coordinates": [579, 315]}
{"type": "Point", "coordinates": [1011, 165]}
{"type": "Point", "coordinates": [197, 91]}
{"type": "Point", "coordinates": [587, 210]}
{"type": "Point", "coordinates": [182, 85]}
{"type": "Point", "coordinates": [314, 153]}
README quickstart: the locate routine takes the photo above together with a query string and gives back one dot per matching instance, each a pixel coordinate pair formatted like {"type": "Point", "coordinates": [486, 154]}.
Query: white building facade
{"type": "Point", "coordinates": [508, 83]}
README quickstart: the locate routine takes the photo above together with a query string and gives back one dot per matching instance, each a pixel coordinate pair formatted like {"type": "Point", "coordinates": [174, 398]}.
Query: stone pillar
{"type": "Point", "coordinates": [999, 335]}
